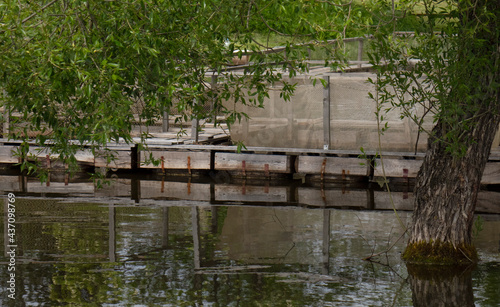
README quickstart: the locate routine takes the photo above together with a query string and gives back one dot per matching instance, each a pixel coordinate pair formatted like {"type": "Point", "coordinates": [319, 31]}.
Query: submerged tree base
{"type": "Point", "coordinates": [440, 253]}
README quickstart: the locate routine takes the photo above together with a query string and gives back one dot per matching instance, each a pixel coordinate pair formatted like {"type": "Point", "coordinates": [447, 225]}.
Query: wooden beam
{"type": "Point", "coordinates": [252, 162]}
{"type": "Point", "coordinates": [7, 154]}
{"type": "Point", "coordinates": [491, 174]}
{"type": "Point", "coordinates": [177, 159]}
{"type": "Point", "coordinates": [332, 166]}
{"type": "Point", "coordinates": [122, 159]}
{"type": "Point", "coordinates": [398, 168]}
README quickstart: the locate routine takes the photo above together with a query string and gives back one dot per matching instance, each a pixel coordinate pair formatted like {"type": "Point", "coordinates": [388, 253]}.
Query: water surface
{"type": "Point", "coordinates": [181, 252]}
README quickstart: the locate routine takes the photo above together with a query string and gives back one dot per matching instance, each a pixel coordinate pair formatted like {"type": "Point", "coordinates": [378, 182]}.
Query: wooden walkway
{"type": "Point", "coordinates": [181, 155]}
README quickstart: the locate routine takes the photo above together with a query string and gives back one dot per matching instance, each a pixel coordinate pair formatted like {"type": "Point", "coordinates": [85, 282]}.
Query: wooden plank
{"type": "Point", "coordinates": [288, 150]}
{"type": "Point", "coordinates": [488, 202]}
{"type": "Point", "coordinates": [332, 198]}
{"type": "Point", "coordinates": [251, 193]}
{"type": "Point", "coordinates": [491, 173]}
{"type": "Point", "coordinates": [85, 156]}
{"type": "Point", "coordinates": [10, 183]}
{"type": "Point", "coordinates": [332, 166]}
{"type": "Point", "coordinates": [7, 154]}
{"type": "Point", "coordinates": [175, 190]}
{"type": "Point", "coordinates": [122, 159]}
{"type": "Point", "coordinates": [398, 168]}
{"type": "Point", "coordinates": [252, 162]}
{"type": "Point", "coordinates": [40, 153]}
{"type": "Point", "coordinates": [199, 160]}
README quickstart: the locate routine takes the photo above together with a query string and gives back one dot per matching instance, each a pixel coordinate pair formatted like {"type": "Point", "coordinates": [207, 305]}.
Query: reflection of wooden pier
{"type": "Point", "coordinates": [210, 192]}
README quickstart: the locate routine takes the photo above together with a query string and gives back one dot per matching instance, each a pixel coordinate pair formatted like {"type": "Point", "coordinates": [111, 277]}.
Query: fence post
{"type": "Point", "coordinates": [194, 127]}
{"type": "Point", "coordinates": [214, 86]}
{"type": "Point", "coordinates": [326, 113]}
{"type": "Point", "coordinates": [360, 52]}
{"type": "Point", "coordinates": [165, 124]}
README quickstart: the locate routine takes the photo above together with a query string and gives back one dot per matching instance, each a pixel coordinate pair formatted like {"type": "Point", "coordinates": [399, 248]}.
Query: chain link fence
{"type": "Point", "coordinates": [352, 122]}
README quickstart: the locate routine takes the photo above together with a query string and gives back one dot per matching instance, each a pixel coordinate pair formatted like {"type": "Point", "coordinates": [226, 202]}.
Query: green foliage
{"type": "Point", "coordinates": [444, 71]}
{"type": "Point", "coordinates": [74, 70]}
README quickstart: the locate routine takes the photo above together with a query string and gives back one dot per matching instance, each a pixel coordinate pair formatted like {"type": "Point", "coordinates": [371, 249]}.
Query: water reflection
{"type": "Point", "coordinates": [211, 248]}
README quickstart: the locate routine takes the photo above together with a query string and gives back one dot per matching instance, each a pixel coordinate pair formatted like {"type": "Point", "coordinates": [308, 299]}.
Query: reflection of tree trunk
{"type": "Point", "coordinates": [441, 286]}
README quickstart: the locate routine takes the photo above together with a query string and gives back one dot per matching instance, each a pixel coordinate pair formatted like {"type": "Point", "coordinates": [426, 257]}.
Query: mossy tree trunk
{"type": "Point", "coordinates": [445, 197]}
{"type": "Point", "coordinates": [449, 179]}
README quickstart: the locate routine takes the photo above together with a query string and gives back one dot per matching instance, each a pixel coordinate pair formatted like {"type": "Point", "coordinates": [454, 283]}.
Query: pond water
{"type": "Point", "coordinates": [183, 252]}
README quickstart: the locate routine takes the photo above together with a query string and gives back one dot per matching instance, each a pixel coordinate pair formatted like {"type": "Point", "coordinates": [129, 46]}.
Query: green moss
{"type": "Point", "coordinates": [440, 253]}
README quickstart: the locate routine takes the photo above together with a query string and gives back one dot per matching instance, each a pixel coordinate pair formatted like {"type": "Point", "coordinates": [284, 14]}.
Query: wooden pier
{"type": "Point", "coordinates": [251, 162]}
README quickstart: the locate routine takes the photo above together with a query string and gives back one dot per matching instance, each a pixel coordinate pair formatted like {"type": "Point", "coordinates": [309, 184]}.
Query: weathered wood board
{"type": "Point", "coordinates": [251, 193]}
{"type": "Point", "coordinates": [7, 154]}
{"type": "Point", "coordinates": [122, 158]}
{"type": "Point", "coordinates": [175, 190]}
{"type": "Point", "coordinates": [85, 156]}
{"type": "Point", "coordinates": [199, 160]}
{"type": "Point", "coordinates": [491, 173]}
{"type": "Point", "coordinates": [332, 198]}
{"type": "Point", "coordinates": [332, 166]}
{"type": "Point", "coordinates": [252, 162]}
{"type": "Point", "coordinates": [397, 168]}
{"type": "Point", "coordinates": [10, 184]}
{"type": "Point", "coordinates": [488, 202]}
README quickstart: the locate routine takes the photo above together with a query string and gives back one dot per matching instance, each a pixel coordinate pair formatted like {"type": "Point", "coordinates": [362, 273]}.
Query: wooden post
{"type": "Point", "coordinates": [308, 58]}
{"type": "Point", "coordinates": [214, 87]}
{"type": "Point", "coordinates": [165, 125]}
{"type": "Point", "coordinates": [194, 128]}
{"type": "Point", "coordinates": [289, 129]}
{"type": "Point", "coordinates": [360, 51]}
{"type": "Point", "coordinates": [326, 113]}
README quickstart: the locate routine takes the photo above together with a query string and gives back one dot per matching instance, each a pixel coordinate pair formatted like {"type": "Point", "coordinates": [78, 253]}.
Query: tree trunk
{"type": "Point", "coordinates": [448, 182]}
{"type": "Point", "coordinates": [445, 197]}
